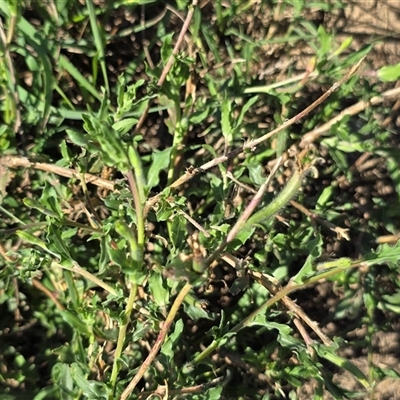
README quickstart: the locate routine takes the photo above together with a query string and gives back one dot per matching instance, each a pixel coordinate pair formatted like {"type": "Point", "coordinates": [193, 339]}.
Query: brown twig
{"type": "Point", "coordinates": [352, 110]}
{"type": "Point", "coordinates": [341, 232]}
{"type": "Point", "coordinates": [273, 286]}
{"type": "Point", "coordinates": [170, 61]}
{"type": "Point", "coordinates": [17, 162]}
{"type": "Point", "coordinates": [160, 339]}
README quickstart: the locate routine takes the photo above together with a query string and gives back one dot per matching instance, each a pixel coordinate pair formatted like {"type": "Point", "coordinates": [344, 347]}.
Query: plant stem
{"type": "Point", "coordinates": [160, 339]}
{"type": "Point", "coordinates": [122, 336]}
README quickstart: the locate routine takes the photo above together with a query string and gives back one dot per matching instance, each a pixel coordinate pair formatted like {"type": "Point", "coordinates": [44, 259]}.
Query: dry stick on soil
{"type": "Point", "coordinates": [352, 110]}
{"type": "Point", "coordinates": [157, 345]}
{"type": "Point", "coordinates": [16, 162]}
{"type": "Point", "coordinates": [170, 61]}
{"type": "Point", "coordinates": [190, 173]}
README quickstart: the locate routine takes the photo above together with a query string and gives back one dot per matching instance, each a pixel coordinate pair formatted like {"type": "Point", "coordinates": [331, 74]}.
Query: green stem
{"type": "Point", "coordinates": [79, 270]}
{"type": "Point", "coordinates": [288, 192]}
{"type": "Point", "coordinates": [122, 335]}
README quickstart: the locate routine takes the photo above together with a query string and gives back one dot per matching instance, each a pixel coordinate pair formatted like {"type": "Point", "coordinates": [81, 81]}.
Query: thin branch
{"type": "Point", "coordinates": [352, 110]}
{"type": "Point", "coordinates": [273, 286]}
{"type": "Point", "coordinates": [17, 162]}
{"type": "Point", "coordinates": [170, 61]}
{"type": "Point", "coordinates": [160, 339]}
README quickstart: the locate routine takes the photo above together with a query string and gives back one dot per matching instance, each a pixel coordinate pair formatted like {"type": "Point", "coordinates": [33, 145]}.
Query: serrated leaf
{"type": "Point", "coordinates": [384, 254]}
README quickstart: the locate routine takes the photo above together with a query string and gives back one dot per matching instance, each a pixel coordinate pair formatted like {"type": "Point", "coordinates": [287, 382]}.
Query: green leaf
{"type": "Point", "coordinates": [168, 348]}
{"type": "Point", "coordinates": [216, 185]}
{"type": "Point", "coordinates": [213, 393]}
{"type": "Point", "coordinates": [179, 231]}
{"type": "Point", "coordinates": [127, 96]}
{"type": "Point", "coordinates": [325, 41]}
{"type": "Point", "coordinates": [76, 322]}
{"type": "Point", "coordinates": [384, 254]}
{"type": "Point", "coordinates": [389, 73]}
{"type": "Point", "coordinates": [160, 162]}
{"type": "Point", "coordinates": [226, 123]}
{"type": "Point", "coordinates": [98, 41]}
{"type": "Point", "coordinates": [166, 49]}
{"type": "Point", "coordinates": [159, 289]}
{"type": "Point", "coordinates": [61, 375]}
{"type": "Point", "coordinates": [249, 103]}
{"type": "Point", "coordinates": [50, 199]}
{"type": "Point", "coordinates": [93, 390]}
{"type": "Point", "coordinates": [324, 197]}
{"type": "Point", "coordinates": [196, 312]}
{"type": "Point", "coordinates": [64, 63]}
{"type": "Point", "coordinates": [329, 354]}
{"type": "Point", "coordinates": [314, 248]}
{"type": "Point", "coordinates": [124, 125]}
{"type": "Point", "coordinates": [29, 238]}
{"type": "Point", "coordinates": [256, 173]}
{"type": "Point", "coordinates": [77, 138]}
{"type": "Point", "coordinates": [57, 243]}
{"type": "Point", "coordinates": [31, 203]}
{"type": "Point", "coordinates": [112, 149]}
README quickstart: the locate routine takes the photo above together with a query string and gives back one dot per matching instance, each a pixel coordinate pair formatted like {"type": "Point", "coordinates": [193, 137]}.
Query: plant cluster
{"type": "Point", "coordinates": [161, 204]}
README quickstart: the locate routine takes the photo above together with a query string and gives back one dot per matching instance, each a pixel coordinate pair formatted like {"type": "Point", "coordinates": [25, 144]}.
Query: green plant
{"type": "Point", "coordinates": [126, 274]}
